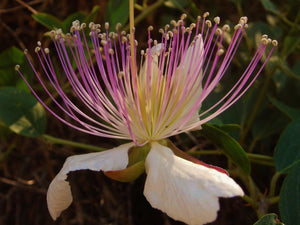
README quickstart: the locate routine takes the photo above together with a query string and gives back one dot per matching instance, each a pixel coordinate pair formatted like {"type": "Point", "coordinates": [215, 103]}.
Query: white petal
{"type": "Point", "coordinates": [59, 196]}
{"type": "Point", "coordinates": [186, 191]}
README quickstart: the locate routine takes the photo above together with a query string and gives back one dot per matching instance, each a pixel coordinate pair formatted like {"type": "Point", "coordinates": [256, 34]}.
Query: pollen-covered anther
{"type": "Point", "coordinates": [208, 23]}
{"type": "Point", "coordinates": [106, 25]}
{"type": "Point", "coordinates": [121, 75]}
{"type": "Point", "coordinates": [264, 36]}
{"type": "Point", "coordinates": [161, 31]}
{"type": "Point", "coordinates": [25, 51]}
{"type": "Point", "coordinates": [226, 27]}
{"type": "Point", "coordinates": [174, 23]}
{"type": "Point", "coordinates": [150, 28]}
{"type": "Point", "coordinates": [187, 29]}
{"type": "Point", "coordinates": [136, 43]}
{"type": "Point", "coordinates": [264, 41]}
{"type": "Point", "coordinates": [170, 33]}
{"type": "Point", "coordinates": [46, 50]}
{"type": "Point", "coordinates": [37, 49]}
{"type": "Point", "coordinates": [206, 14]}
{"type": "Point", "coordinates": [217, 20]}
{"type": "Point", "coordinates": [118, 26]}
{"type": "Point", "coordinates": [269, 40]}
{"type": "Point", "coordinates": [155, 42]}
{"type": "Point", "coordinates": [17, 67]}
{"type": "Point", "coordinates": [103, 42]}
{"type": "Point", "coordinates": [192, 26]}
{"type": "Point", "coordinates": [219, 31]}
{"type": "Point", "coordinates": [142, 52]}
{"type": "Point", "coordinates": [238, 26]}
{"type": "Point", "coordinates": [111, 51]}
{"type": "Point", "coordinates": [220, 52]}
{"type": "Point", "coordinates": [275, 42]}
{"type": "Point", "coordinates": [198, 18]}
{"type": "Point", "coordinates": [83, 25]}
{"type": "Point", "coordinates": [39, 43]}
{"type": "Point", "coordinates": [183, 16]}
{"type": "Point", "coordinates": [91, 24]}
{"type": "Point", "coordinates": [167, 26]}
{"type": "Point", "coordinates": [124, 39]}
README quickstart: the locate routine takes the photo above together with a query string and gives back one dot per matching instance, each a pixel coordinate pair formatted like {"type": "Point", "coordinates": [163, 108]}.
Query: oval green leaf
{"type": "Point", "coordinates": [287, 150]}
{"type": "Point", "coordinates": [21, 112]}
{"type": "Point", "coordinates": [269, 219]}
{"type": "Point", "coordinates": [48, 20]}
{"type": "Point", "coordinates": [289, 203]}
{"type": "Point", "coordinates": [229, 146]}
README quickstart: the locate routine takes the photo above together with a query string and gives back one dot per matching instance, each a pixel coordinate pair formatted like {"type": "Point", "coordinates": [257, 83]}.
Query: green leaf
{"type": "Point", "coordinates": [269, 219]}
{"type": "Point", "coordinates": [269, 6]}
{"type": "Point", "coordinates": [91, 17]}
{"type": "Point", "coordinates": [48, 20]}
{"type": "Point", "coordinates": [229, 146]}
{"type": "Point", "coordinates": [21, 112]}
{"type": "Point", "coordinates": [291, 112]}
{"type": "Point", "coordinates": [117, 11]}
{"type": "Point", "coordinates": [8, 59]}
{"type": "Point", "coordinates": [287, 150]}
{"type": "Point", "coordinates": [290, 43]}
{"type": "Point", "coordinates": [289, 203]}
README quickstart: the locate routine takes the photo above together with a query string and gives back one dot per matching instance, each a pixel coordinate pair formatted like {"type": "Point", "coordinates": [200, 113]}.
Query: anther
{"type": "Point", "coordinates": [17, 67]}
{"type": "Point", "coordinates": [220, 52]}
{"type": "Point", "coordinates": [91, 24]}
{"type": "Point", "coordinates": [192, 26]}
{"type": "Point", "coordinates": [161, 31]}
{"type": "Point", "coordinates": [136, 43]}
{"type": "Point", "coordinates": [226, 27]}
{"type": "Point", "coordinates": [46, 50]}
{"type": "Point", "coordinates": [173, 22]}
{"type": "Point", "coordinates": [103, 42]}
{"type": "Point", "coordinates": [208, 23]}
{"type": "Point", "coordinates": [150, 28]}
{"type": "Point", "coordinates": [264, 41]}
{"type": "Point", "coordinates": [167, 26]}
{"type": "Point", "coordinates": [37, 49]}
{"type": "Point", "coordinates": [83, 25]}
{"type": "Point", "coordinates": [198, 18]}
{"type": "Point", "coordinates": [183, 16]}
{"type": "Point", "coordinates": [238, 26]}
{"type": "Point", "coordinates": [111, 51]}
{"type": "Point", "coordinates": [218, 31]}
{"type": "Point", "coordinates": [25, 51]}
{"type": "Point", "coordinates": [275, 42]}
{"type": "Point", "coordinates": [121, 75]}
{"type": "Point", "coordinates": [118, 26]}
{"type": "Point", "coordinates": [264, 36]}
{"type": "Point", "coordinates": [217, 20]}
{"type": "Point", "coordinates": [39, 43]}
{"type": "Point", "coordinates": [106, 25]}
{"type": "Point", "coordinates": [206, 14]}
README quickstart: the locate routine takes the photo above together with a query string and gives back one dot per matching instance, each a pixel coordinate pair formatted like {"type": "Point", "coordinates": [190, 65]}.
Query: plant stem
{"type": "Point", "coordinates": [56, 140]}
{"type": "Point", "coordinates": [273, 184]}
{"type": "Point", "coordinates": [255, 110]}
{"type": "Point", "coordinates": [146, 12]}
{"type": "Point", "coordinates": [131, 29]}
{"type": "Point", "coordinates": [273, 200]}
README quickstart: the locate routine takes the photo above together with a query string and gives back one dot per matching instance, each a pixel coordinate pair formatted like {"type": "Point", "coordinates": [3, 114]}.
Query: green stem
{"type": "Point", "coordinates": [255, 158]}
{"type": "Point", "coordinates": [273, 184]}
{"type": "Point", "coordinates": [257, 105]}
{"type": "Point", "coordinates": [146, 12]}
{"type": "Point", "coordinates": [274, 200]}
{"type": "Point", "coordinates": [60, 141]}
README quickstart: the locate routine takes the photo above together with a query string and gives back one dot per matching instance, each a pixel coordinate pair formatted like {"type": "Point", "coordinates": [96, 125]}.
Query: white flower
{"type": "Point", "coordinates": [184, 190]}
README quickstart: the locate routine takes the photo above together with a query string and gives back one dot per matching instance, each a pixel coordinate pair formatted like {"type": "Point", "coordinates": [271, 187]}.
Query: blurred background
{"type": "Point", "coordinates": [265, 120]}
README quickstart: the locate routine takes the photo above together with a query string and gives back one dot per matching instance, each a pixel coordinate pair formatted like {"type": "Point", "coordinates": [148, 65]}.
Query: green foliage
{"type": "Point", "coordinates": [289, 203]}
{"type": "Point", "coordinates": [287, 151]}
{"type": "Point", "coordinates": [269, 219]}
{"type": "Point", "coordinates": [21, 112]}
{"type": "Point", "coordinates": [229, 146]}
{"type": "Point", "coordinates": [51, 22]}
{"type": "Point", "coordinates": [117, 11]}
{"type": "Point", "coordinates": [8, 59]}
